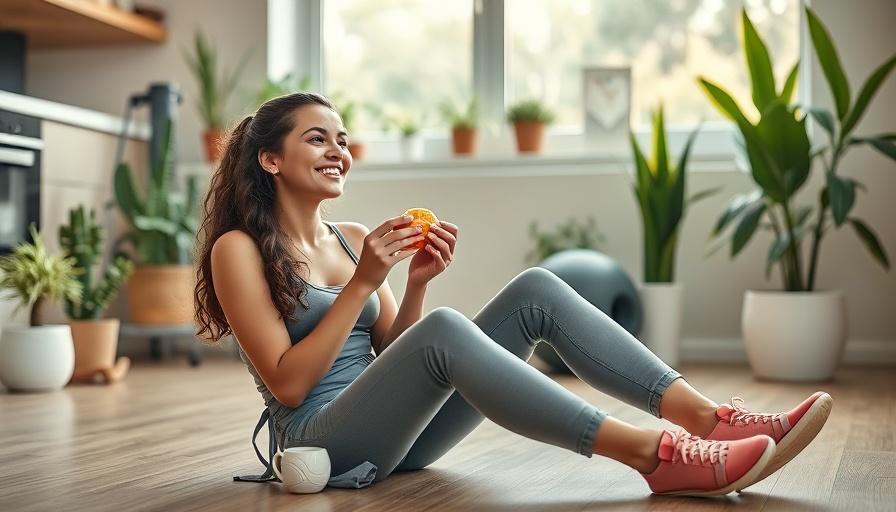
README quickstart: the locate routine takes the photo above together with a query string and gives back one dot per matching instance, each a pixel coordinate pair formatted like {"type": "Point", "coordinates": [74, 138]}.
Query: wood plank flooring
{"type": "Point", "coordinates": [169, 437]}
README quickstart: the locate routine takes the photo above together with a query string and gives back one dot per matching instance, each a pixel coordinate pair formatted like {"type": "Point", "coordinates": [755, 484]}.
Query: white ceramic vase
{"type": "Point", "coordinates": [36, 358]}
{"type": "Point", "coordinates": [412, 148]}
{"type": "Point", "coordinates": [662, 306]}
{"type": "Point", "coordinates": [794, 336]}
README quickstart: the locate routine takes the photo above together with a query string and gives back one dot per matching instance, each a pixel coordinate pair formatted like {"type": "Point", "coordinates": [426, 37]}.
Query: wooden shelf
{"type": "Point", "coordinates": [58, 24]}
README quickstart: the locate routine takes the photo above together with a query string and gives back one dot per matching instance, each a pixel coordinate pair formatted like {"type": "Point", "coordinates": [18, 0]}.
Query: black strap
{"type": "Point", "coordinates": [268, 475]}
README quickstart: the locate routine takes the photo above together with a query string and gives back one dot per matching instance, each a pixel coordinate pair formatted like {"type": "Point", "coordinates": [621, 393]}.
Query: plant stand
{"type": "Point", "coordinates": [156, 333]}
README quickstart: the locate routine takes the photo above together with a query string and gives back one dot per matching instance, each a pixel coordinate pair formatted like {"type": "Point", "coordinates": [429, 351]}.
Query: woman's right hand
{"type": "Point", "coordinates": [384, 247]}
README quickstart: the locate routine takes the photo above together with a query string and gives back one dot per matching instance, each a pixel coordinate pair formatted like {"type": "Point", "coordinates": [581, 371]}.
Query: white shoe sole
{"type": "Point", "coordinates": [801, 434]}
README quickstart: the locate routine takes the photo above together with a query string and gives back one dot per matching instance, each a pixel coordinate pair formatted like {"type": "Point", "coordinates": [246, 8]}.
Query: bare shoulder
{"type": "Point", "coordinates": [234, 245]}
{"type": "Point", "coordinates": [354, 232]}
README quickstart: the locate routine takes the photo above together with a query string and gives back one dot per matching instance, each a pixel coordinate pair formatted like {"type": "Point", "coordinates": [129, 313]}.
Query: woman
{"type": "Point", "coordinates": [341, 365]}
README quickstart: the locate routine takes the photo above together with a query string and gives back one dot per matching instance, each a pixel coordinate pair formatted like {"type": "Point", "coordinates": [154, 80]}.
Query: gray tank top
{"type": "Point", "coordinates": [355, 356]}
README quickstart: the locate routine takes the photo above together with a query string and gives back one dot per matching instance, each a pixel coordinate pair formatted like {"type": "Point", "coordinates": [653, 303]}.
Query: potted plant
{"type": "Point", "coordinates": [529, 118]}
{"type": "Point", "coordinates": [464, 122]}
{"type": "Point", "coordinates": [348, 111]}
{"type": "Point", "coordinates": [95, 338]}
{"type": "Point", "coordinates": [271, 89]}
{"type": "Point", "coordinates": [215, 86]}
{"type": "Point", "coordinates": [411, 143]}
{"type": "Point", "coordinates": [163, 229]}
{"type": "Point", "coordinates": [800, 333]}
{"type": "Point", "coordinates": [659, 188]}
{"type": "Point", "coordinates": [37, 357]}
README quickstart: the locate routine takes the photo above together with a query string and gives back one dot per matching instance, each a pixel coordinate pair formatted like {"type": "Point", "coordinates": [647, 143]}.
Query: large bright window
{"type": "Point", "coordinates": [398, 57]}
{"type": "Point", "coordinates": [666, 43]}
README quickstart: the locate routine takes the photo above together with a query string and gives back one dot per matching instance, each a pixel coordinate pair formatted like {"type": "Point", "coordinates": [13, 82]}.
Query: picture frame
{"type": "Point", "coordinates": [607, 105]}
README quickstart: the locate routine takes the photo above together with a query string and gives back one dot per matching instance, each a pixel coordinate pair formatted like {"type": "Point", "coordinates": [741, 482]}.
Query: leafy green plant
{"type": "Point", "coordinates": [82, 240]}
{"type": "Point", "coordinates": [407, 125]}
{"type": "Point", "coordinates": [33, 275]}
{"type": "Point", "coordinates": [460, 115]}
{"type": "Point", "coordinates": [572, 234]}
{"type": "Point", "coordinates": [271, 89]}
{"type": "Point", "coordinates": [216, 85]}
{"type": "Point", "coordinates": [164, 221]}
{"type": "Point", "coordinates": [780, 155]}
{"type": "Point", "coordinates": [530, 110]}
{"type": "Point", "coordinates": [659, 187]}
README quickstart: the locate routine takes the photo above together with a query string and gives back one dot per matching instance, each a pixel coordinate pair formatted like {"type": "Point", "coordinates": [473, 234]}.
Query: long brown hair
{"type": "Point", "coordinates": [242, 196]}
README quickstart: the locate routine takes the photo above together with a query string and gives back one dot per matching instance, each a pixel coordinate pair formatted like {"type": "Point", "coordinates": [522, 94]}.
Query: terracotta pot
{"type": "Point", "coordinates": [161, 294]}
{"type": "Point", "coordinates": [214, 144]}
{"type": "Point", "coordinates": [463, 141]}
{"type": "Point", "coordinates": [358, 150]}
{"type": "Point", "coordinates": [529, 136]}
{"type": "Point", "coordinates": [96, 344]}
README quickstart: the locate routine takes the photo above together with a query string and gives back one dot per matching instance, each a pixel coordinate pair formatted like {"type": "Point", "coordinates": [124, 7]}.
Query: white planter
{"type": "Point", "coordinates": [662, 306]}
{"type": "Point", "coordinates": [36, 358]}
{"type": "Point", "coordinates": [412, 148]}
{"type": "Point", "coordinates": [794, 336]}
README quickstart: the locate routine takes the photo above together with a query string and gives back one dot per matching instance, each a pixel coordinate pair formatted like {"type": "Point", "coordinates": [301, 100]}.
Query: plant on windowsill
{"type": "Point", "coordinates": [216, 87]}
{"type": "Point", "coordinates": [530, 118]}
{"type": "Point", "coordinates": [780, 156]}
{"type": "Point", "coordinates": [95, 337]}
{"type": "Point", "coordinates": [348, 111]}
{"type": "Point", "coordinates": [659, 188]}
{"type": "Point", "coordinates": [463, 119]}
{"type": "Point", "coordinates": [271, 88]}
{"type": "Point", "coordinates": [411, 142]}
{"type": "Point", "coordinates": [163, 225]}
{"type": "Point", "coordinates": [37, 357]}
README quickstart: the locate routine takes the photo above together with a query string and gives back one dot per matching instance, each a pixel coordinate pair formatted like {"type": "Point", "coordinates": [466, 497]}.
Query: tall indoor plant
{"type": "Point", "coordinates": [215, 85]}
{"type": "Point", "coordinates": [36, 356]}
{"type": "Point", "coordinates": [163, 229]}
{"type": "Point", "coordinates": [780, 156]}
{"type": "Point", "coordinates": [95, 338]}
{"type": "Point", "coordinates": [659, 188]}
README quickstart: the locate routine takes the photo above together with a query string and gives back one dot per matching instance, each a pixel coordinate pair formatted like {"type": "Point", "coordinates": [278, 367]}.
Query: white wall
{"type": "Point", "coordinates": [494, 209]}
{"type": "Point", "coordinates": [104, 78]}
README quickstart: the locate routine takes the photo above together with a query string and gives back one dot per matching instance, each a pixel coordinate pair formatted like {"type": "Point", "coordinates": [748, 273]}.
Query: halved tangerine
{"type": "Point", "coordinates": [423, 218]}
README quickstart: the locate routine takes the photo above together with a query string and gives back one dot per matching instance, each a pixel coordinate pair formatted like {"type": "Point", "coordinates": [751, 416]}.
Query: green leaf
{"type": "Point", "coordinates": [842, 194]}
{"type": "Point", "coordinates": [660, 158]}
{"type": "Point", "coordinates": [126, 192]}
{"type": "Point", "coordinates": [747, 227]}
{"type": "Point", "coordinates": [871, 243]}
{"type": "Point", "coordinates": [703, 194]}
{"type": "Point", "coordinates": [759, 63]}
{"type": "Point", "coordinates": [869, 89]}
{"type": "Point", "coordinates": [779, 156]}
{"type": "Point", "coordinates": [882, 144]}
{"type": "Point", "coordinates": [790, 84]}
{"type": "Point", "coordinates": [824, 118]}
{"type": "Point", "coordinates": [830, 64]}
{"type": "Point", "coordinates": [735, 207]}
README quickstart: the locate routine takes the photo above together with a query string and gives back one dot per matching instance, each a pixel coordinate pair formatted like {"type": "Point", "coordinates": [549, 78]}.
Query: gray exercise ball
{"type": "Point", "coordinates": [602, 282]}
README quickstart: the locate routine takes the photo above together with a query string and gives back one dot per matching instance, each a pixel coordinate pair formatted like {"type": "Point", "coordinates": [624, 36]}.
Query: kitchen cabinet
{"type": "Point", "coordinates": [60, 24]}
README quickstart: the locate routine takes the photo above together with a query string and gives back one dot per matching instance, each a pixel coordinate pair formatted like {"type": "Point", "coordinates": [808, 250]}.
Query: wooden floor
{"type": "Point", "coordinates": [169, 437]}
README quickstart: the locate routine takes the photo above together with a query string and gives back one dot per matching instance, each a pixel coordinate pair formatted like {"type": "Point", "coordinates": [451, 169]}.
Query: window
{"type": "Point", "coordinates": [405, 56]}
{"type": "Point", "coordinates": [398, 58]}
{"type": "Point", "coordinates": [666, 43]}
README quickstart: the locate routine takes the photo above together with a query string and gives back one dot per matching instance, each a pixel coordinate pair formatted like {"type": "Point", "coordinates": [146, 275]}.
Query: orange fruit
{"type": "Point", "coordinates": [423, 218]}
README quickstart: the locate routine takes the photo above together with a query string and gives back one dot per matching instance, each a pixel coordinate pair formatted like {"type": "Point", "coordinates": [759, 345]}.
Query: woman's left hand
{"type": "Point", "coordinates": [436, 255]}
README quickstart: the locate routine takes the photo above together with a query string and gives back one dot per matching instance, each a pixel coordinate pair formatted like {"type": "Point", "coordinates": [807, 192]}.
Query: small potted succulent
{"type": "Point", "coordinates": [530, 118]}
{"type": "Point", "coordinates": [464, 122]}
{"type": "Point", "coordinates": [37, 357]}
{"type": "Point", "coordinates": [95, 338]}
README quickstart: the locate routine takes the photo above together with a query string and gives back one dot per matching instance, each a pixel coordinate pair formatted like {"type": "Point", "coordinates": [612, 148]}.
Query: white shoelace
{"type": "Point", "coordinates": [691, 449]}
{"type": "Point", "coordinates": [739, 414]}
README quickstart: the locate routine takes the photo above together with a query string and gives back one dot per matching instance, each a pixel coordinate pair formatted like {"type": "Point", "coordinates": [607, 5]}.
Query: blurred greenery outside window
{"type": "Point", "coordinates": [404, 56]}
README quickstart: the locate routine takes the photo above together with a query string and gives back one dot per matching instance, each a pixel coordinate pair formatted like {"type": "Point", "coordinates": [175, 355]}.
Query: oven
{"type": "Point", "coordinates": [20, 148]}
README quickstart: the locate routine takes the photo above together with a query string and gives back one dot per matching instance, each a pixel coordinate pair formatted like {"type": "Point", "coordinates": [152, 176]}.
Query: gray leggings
{"type": "Point", "coordinates": [434, 384]}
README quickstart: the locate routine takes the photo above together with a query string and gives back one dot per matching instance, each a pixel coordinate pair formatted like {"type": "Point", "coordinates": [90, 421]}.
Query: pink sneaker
{"type": "Point", "coordinates": [792, 431]}
{"type": "Point", "coordinates": [690, 466]}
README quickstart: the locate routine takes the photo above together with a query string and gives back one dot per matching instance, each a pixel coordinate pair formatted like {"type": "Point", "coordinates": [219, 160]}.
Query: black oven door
{"type": "Point", "coordinates": [19, 189]}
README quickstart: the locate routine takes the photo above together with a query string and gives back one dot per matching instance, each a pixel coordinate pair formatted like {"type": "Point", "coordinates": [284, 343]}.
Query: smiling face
{"type": "Point", "coordinates": [314, 157]}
